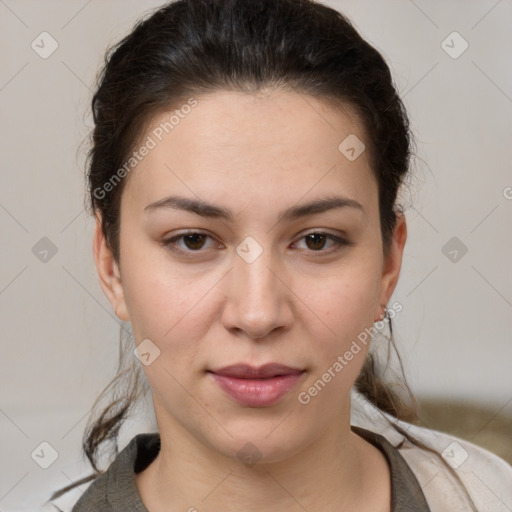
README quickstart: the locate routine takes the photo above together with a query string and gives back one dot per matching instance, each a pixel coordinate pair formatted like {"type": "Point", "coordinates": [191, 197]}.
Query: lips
{"type": "Point", "coordinates": [244, 371]}
{"type": "Point", "coordinates": [257, 387]}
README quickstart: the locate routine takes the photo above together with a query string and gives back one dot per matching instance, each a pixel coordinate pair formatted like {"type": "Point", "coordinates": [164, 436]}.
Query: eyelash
{"type": "Point", "coordinates": [170, 243]}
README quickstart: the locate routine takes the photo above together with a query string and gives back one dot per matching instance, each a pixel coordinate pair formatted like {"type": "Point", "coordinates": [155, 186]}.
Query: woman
{"type": "Point", "coordinates": [246, 161]}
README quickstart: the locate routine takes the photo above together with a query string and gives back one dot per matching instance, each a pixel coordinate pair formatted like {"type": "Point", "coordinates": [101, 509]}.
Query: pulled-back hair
{"type": "Point", "coordinates": [190, 47]}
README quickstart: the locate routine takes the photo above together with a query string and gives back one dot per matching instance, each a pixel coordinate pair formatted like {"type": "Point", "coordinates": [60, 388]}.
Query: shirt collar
{"type": "Point", "coordinates": [407, 495]}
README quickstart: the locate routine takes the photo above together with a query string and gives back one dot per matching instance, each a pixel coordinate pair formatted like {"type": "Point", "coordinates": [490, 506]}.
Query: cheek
{"type": "Point", "coordinates": [163, 305]}
{"type": "Point", "coordinates": [341, 343]}
{"type": "Point", "coordinates": [344, 301]}
{"type": "Point", "coordinates": [172, 310]}
{"type": "Point", "coordinates": [158, 293]}
{"type": "Point", "coordinates": [175, 306]}
{"type": "Point", "coordinates": [340, 329]}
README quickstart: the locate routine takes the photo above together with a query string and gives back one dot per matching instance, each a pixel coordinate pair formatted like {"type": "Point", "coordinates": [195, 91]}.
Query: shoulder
{"type": "Point", "coordinates": [458, 467]}
{"type": "Point", "coordinates": [115, 485]}
{"type": "Point", "coordinates": [84, 498]}
{"type": "Point", "coordinates": [448, 469]}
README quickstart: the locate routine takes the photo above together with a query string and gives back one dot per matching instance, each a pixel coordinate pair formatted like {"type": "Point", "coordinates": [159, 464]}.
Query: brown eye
{"type": "Point", "coordinates": [194, 241]}
{"type": "Point", "coordinates": [316, 242]}
{"type": "Point", "coordinates": [188, 242]}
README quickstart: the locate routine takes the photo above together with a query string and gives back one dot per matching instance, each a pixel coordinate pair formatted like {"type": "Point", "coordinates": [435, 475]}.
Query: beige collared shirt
{"type": "Point", "coordinates": [486, 478]}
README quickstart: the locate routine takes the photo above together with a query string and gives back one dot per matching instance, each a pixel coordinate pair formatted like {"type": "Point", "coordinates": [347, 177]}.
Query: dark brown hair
{"type": "Point", "coordinates": [190, 47]}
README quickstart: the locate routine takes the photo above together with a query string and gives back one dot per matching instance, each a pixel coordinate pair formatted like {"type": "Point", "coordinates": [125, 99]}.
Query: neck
{"type": "Point", "coordinates": [338, 471]}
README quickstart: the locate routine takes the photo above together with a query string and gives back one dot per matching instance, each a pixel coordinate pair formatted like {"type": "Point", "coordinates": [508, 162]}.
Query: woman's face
{"type": "Point", "coordinates": [247, 175]}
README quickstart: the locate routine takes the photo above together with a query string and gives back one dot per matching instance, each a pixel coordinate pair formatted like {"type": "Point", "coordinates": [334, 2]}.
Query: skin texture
{"type": "Point", "coordinates": [299, 303]}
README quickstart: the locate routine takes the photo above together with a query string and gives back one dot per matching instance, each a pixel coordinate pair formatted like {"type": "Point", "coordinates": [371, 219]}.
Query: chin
{"type": "Point", "coordinates": [257, 443]}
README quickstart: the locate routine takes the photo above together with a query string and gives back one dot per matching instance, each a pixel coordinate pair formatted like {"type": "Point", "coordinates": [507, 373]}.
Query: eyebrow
{"type": "Point", "coordinates": [293, 213]}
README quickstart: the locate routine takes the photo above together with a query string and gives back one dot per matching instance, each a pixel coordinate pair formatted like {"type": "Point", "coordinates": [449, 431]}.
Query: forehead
{"type": "Point", "coordinates": [251, 142]}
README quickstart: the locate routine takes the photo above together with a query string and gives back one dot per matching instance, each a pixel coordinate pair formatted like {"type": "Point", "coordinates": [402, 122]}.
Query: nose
{"type": "Point", "coordinates": [258, 300]}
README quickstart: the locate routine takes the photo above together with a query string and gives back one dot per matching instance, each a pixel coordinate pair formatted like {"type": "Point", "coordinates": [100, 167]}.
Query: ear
{"type": "Point", "coordinates": [393, 260]}
{"type": "Point", "coordinates": [108, 272]}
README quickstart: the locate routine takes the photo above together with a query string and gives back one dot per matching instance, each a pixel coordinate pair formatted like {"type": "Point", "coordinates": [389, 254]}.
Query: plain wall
{"type": "Point", "coordinates": [59, 334]}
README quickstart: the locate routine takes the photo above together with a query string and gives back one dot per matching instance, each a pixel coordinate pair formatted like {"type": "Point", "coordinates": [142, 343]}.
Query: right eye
{"type": "Point", "coordinates": [193, 241]}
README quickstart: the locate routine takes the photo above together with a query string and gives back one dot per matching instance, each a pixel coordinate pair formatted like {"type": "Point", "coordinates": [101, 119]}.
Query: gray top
{"type": "Point", "coordinates": [115, 490]}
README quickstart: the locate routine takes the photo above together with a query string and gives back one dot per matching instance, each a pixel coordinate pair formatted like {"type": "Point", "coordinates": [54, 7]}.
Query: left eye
{"type": "Point", "coordinates": [195, 241]}
{"type": "Point", "coordinates": [316, 241]}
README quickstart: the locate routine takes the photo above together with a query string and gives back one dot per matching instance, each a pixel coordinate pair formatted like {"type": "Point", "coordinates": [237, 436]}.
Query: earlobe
{"type": "Point", "coordinates": [108, 272]}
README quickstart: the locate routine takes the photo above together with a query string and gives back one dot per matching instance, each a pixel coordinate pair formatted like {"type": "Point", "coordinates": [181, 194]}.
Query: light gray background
{"type": "Point", "coordinates": [59, 335]}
